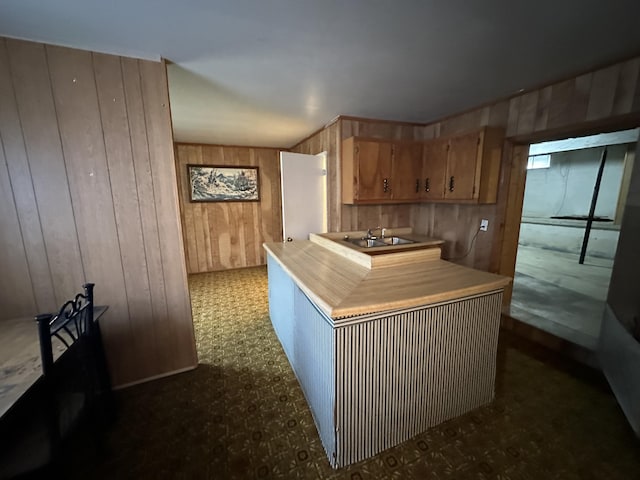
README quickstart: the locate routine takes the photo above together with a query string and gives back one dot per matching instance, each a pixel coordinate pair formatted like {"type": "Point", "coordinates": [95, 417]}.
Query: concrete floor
{"type": "Point", "coordinates": [554, 293]}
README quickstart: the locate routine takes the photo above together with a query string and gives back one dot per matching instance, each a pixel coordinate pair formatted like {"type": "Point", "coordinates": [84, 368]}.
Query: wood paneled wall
{"type": "Point", "coordinates": [223, 235]}
{"type": "Point", "coordinates": [88, 193]}
{"type": "Point", "coordinates": [603, 100]}
{"type": "Point", "coordinates": [329, 139]}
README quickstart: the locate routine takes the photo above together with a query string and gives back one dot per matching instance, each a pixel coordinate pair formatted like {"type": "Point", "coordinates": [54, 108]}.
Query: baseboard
{"type": "Point", "coordinates": [155, 377]}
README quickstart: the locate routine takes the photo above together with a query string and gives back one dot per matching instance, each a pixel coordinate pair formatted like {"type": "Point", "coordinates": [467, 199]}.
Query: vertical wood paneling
{"type": "Point", "coordinates": [566, 106]}
{"type": "Point", "coordinates": [126, 203]}
{"type": "Point", "coordinates": [180, 344]}
{"type": "Point", "coordinates": [16, 293]}
{"type": "Point", "coordinates": [221, 235]}
{"type": "Point", "coordinates": [527, 112]}
{"type": "Point", "coordinates": [15, 289]}
{"type": "Point", "coordinates": [580, 99]}
{"type": "Point", "coordinates": [351, 217]}
{"type": "Point", "coordinates": [31, 80]}
{"type": "Point", "coordinates": [86, 143]}
{"type": "Point", "coordinates": [147, 206]}
{"type": "Point", "coordinates": [512, 116]}
{"type": "Point", "coordinates": [625, 90]}
{"type": "Point", "coordinates": [498, 114]}
{"type": "Point", "coordinates": [560, 104]}
{"type": "Point", "coordinates": [518, 173]}
{"type": "Point", "coordinates": [602, 92]}
{"type": "Point", "coordinates": [74, 91]}
{"type": "Point", "coordinates": [542, 109]}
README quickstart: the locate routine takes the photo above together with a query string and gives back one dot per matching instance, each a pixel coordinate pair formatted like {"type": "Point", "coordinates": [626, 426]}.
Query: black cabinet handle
{"type": "Point", "coordinates": [427, 188]}
{"type": "Point", "coordinates": [385, 185]}
{"type": "Point", "coordinates": [417, 185]}
{"type": "Point", "coordinates": [451, 184]}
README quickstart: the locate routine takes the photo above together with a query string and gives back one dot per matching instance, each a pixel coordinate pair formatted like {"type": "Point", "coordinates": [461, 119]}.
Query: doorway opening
{"type": "Point", "coordinates": [569, 233]}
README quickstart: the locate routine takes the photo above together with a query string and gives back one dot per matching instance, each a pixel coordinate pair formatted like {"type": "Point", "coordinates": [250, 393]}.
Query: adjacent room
{"type": "Point", "coordinates": [563, 271]}
{"type": "Point", "coordinates": [320, 240]}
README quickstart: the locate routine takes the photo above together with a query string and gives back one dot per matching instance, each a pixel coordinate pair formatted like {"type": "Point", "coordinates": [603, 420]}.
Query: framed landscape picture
{"type": "Point", "coordinates": [213, 183]}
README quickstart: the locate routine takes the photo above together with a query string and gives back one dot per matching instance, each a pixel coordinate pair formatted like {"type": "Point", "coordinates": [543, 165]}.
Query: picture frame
{"type": "Point", "coordinates": [223, 183]}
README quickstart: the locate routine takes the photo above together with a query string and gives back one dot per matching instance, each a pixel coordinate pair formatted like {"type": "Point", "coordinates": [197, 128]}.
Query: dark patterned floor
{"type": "Point", "coordinates": [242, 415]}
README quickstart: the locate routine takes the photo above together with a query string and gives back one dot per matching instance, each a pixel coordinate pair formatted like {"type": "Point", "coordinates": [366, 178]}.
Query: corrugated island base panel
{"type": "Point", "coordinates": [382, 379]}
{"type": "Point", "coordinates": [397, 376]}
{"type": "Point", "coordinates": [308, 340]}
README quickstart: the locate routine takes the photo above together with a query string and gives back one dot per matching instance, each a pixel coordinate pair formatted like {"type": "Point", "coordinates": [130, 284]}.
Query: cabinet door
{"type": "Point", "coordinates": [374, 170]}
{"type": "Point", "coordinates": [434, 169]}
{"type": "Point", "coordinates": [461, 167]}
{"type": "Point", "coordinates": [406, 171]}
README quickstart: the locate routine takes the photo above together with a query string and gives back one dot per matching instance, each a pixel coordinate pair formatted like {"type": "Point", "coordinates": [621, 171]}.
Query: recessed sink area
{"type": "Point", "coordinates": [400, 245]}
{"type": "Point", "coordinates": [396, 241]}
{"type": "Point", "coordinates": [366, 242]}
{"type": "Point", "coordinates": [379, 242]}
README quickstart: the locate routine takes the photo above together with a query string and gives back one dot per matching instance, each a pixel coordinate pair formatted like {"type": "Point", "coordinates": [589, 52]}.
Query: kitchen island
{"type": "Point", "coordinates": [383, 349]}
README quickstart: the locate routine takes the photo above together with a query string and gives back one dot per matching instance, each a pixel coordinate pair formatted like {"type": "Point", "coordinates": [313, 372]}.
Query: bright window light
{"type": "Point", "coordinates": [539, 161]}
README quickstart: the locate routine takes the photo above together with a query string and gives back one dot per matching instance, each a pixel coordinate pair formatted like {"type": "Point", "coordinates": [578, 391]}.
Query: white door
{"type": "Point", "coordinates": [304, 195]}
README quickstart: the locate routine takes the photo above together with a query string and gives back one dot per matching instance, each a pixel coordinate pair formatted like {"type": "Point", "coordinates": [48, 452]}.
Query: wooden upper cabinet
{"type": "Point", "coordinates": [406, 171]}
{"type": "Point", "coordinates": [462, 161]}
{"type": "Point", "coordinates": [473, 166]}
{"type": "Point", "coordinates": [434, 169]}
{"type": "Point", "coordinates": [460, 169]}
{"type": "Point", "coordinates": [366, 170]}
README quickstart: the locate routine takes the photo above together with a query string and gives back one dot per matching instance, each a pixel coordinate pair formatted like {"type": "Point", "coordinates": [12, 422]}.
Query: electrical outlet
{"type": "Point", "coordinates": [484, 224]}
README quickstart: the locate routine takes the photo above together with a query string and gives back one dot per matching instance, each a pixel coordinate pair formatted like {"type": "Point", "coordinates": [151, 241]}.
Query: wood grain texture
{"type": "Point", "coordinates": [527, 111]}
{"type": "Point", "coordinates": [605, 99]}
{"type": "Point", "coordinates": [16, 293]}
{"type": "Point", "coordinates": [89, 158]}
{"type": "Point", "coordinates": [375, 257]}
{"type": "Point", "coordinates": [126, 204]}
{"type": "Point", "coordinates": [74, 91]}
{"type": "Point", "coordinates": [222, 235]}
{"type": "Point", "coordinates": [406, 171]}
{"type": "Point", "coordinates": [513, 215]}
{"type": "Point", "coordinates": [626, 88]}
{"type": "Point", "coordinates": [553, 111]}
{"type": "Point", "coordinates": [342, 288]}
{"type": "Point", "coordinates": [47, 170]}
{"type": "Point", "coordinates": [434, 170]}
{"type": "Point", "coordinates": [180, 340]}
{"type": "Point", "coordinates": [147, 207]}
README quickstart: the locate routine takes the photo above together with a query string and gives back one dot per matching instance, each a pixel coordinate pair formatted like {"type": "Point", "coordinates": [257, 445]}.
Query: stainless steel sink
{"type": "Point", "coordinates": [366, 242]}
{"type": "Point", "coordinates": [396, 241]}
{"type": "Point", "coordinates": [379, 242]}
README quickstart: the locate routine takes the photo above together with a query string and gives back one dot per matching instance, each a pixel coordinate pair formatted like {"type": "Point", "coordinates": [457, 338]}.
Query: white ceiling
{"type": "Point", "coordinates": [270, 72]}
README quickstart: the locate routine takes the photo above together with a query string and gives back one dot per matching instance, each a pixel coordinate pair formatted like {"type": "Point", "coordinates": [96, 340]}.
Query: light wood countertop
{"type": "Point", "coordinates": [342, 287]}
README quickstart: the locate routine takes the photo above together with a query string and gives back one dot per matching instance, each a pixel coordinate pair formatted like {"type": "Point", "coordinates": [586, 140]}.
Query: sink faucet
{"type": "Point", "coordinates": [370, 234]}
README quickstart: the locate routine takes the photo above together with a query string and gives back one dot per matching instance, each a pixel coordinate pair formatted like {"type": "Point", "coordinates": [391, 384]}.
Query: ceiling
{"type": "Point", "coordinates": [270, 72]}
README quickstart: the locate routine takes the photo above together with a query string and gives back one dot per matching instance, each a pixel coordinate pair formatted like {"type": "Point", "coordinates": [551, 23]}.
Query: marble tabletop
{"type": "Point", "coordinates": [20, 364]}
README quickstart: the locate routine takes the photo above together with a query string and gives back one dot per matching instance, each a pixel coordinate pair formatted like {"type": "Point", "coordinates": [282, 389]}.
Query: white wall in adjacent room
{"type": "Point", "coordinates": [566, 187]}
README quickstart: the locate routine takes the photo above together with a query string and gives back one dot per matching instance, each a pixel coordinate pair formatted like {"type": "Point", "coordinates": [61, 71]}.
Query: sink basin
{"type": "Point", "coordinates": [367, 242]}
{"type": "Point", "coordinates": [396, 241]}
{"type": "Point", "coordinates": [379, 242]}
